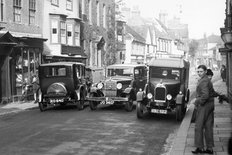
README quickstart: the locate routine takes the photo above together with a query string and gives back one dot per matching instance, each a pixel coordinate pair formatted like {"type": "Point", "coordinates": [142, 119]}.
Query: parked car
{"type": "Point", "coordinates": [62, 83]}
{"type": "Point", "coordinates": [167, 88]}
{"type": "Point", "coordinates": [120, 86]}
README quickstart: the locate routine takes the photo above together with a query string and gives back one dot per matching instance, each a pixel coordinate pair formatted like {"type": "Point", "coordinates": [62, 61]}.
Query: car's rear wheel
{"type": "Point", "coordinates": [129, 104]}
{"type": "Point", "coordinates": [141, 111]}
{"type": "Point", "coordinates": [42, 105]}
{"type": "Point", "coordinates": [93, 104]}
{"type": "Point", "coordinates": [179, 113]}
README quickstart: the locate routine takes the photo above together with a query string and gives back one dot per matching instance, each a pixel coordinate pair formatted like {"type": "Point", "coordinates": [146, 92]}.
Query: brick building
{"type": "Point", "coordinates": [21, 45]}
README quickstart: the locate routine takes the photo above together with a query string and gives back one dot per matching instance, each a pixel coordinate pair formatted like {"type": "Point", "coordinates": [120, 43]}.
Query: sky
{"type": "Point", "coordinates": [202, 16]}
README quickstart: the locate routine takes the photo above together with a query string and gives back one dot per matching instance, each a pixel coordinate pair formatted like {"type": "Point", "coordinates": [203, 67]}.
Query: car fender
{"type": "Point", "coordinates": [179, 99]}
{"type": "Point", "coordinates": [140, 96]}
{"type": "Point", "coordinates": [128, 90]}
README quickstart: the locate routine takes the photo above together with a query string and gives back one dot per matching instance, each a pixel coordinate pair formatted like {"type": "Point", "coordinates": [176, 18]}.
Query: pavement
{"type": "Point", "coordinates": [15, 107]}
{"type": "Point", "coordinates": [183, 143]}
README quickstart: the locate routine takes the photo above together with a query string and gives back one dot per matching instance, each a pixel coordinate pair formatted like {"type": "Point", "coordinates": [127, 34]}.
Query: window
{"type": "Point", "coordinates": [90, 11]}
{"type": "Point", "coordinates": [69, 34]}
{"type": "Point", "coordinates": [98, 13]}
{"type": "Point", "coordinates": [63, 32]}
{"type": "Point", "coordinates": [1, 11]}
{"type": "Point", "coordinates": [77, 35]}
{"type": "Point", "coordinates": [69, 4]}
{"type": "Point", "coordinates": [104, 16]}
{"type": "Point", "coordinates": [54, 31]}
{"type": "Point", "coordinates": [17, 10]}
{"type": "Point", "coordinates": [83, 6]}
{"type": "Point", "coordinates": [32, 10]}
{"type": "Point", "coordinates": [55, 2]}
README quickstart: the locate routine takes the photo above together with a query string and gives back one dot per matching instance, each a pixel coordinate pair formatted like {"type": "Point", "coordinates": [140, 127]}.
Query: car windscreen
{"type": "Point", "coordinates": [120, 71]}
{"type": "Point", "coordinates": [54, 71]}
{"type": "Point", "coordinates": [164, 73]}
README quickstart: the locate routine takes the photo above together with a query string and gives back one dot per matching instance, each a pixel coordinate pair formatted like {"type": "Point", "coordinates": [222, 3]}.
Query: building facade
{"type": "Point", "coordinates": [98, 40]}
{"type": "Point", "coordinates": [62, 27]}
{"type": "Point", "coordinates": [21, 44]}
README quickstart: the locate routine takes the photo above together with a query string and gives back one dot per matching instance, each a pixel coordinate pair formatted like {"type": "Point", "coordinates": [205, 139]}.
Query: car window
{"type": "Point", "coordinates": [55, 71]}
{"type": "Point", "coordinates": [166, 73]}
{"type": "Point", "coordinates": [120, 72]}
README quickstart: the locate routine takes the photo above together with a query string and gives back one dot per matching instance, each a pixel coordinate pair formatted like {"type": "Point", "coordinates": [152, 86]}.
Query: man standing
{"type": "Point", "coordinates": [204, 115]}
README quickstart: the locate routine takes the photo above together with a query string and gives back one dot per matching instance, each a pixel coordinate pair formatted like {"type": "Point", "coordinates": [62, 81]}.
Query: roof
{"type": "Point", "coordinates": [62, 63]}
{"type": "Point", "coordinates": [136, 36]}
{"type": "Point", "coordinates": [125, 65]}
{"type": "Point", "coordinates": [169, 62]}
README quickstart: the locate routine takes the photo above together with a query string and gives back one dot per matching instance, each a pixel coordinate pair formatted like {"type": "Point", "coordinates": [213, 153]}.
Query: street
{"type": "Point", "coordinates": [109, 130]}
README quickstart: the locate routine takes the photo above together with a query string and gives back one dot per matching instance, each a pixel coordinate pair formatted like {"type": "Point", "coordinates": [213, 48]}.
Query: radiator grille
{"type": "Point", "coordinates": [160, 93]}
{"type": "Point", "coordinates": [110, 89]}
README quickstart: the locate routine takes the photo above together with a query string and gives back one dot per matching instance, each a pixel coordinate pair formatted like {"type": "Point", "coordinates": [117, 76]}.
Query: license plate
{"type": "Point", "coordinates": [107, 101]}
{"type": "Point", "coordinates": [159, 111]}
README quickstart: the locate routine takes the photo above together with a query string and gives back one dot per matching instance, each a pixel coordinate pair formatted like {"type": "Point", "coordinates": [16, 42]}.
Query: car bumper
{"type": "Point", "coordinates": [115, 99]}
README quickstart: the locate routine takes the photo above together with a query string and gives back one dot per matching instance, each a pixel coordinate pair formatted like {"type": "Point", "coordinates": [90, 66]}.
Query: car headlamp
{"type": "Point", "coordinates": [169, 97]}
{"type": "Point", "coordinates": [100, 85]}
{"type": "Point", "coordinates": [149, 95]}
{"type": "Point", "coordinates": [119, 86]}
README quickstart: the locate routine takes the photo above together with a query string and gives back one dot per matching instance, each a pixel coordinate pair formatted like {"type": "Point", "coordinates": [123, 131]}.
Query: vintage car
{"type": "Point", "coordinates": [62, 83]}
{"type": "Point", "coordinates": [167, 88]}
{"type": "Point", "coordinates": [120, 86]}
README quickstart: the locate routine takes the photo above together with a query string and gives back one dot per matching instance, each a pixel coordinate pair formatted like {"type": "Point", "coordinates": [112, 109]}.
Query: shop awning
{"type": "Point", "coordinates": [7, 39]}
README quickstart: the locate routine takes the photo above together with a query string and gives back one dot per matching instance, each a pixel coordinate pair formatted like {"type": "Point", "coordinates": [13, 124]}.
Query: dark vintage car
{"type": "Point", "coordinates": [120, 86]}
{"type": "Point", "coordinates": [62, 83]}
{"type": "Point", "coordinates": [167, 88]}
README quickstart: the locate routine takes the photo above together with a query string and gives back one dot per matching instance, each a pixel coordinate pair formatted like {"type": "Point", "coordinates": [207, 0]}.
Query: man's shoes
{"type": "Point", "coordinates": [208, 151]}
{"type": "Point", "coordinates": [198, 150]}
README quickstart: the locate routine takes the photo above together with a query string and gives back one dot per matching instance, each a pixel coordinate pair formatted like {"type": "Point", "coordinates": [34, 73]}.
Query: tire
{"type": "Point", "coordinates": [80, 103]}
{"type": "Point", "coordinates": [179, 113]}
{"type": "Point", "coordinates": [129, 104]}
{"type": "Point", "coordinates": [140, 109]}
{"type": "Point", "coordinates": [93, 104]}
{"type": "Point", "coordinates": [42, 106]}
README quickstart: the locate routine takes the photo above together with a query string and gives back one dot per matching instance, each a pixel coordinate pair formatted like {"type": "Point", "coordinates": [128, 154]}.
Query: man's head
{"type": "Point", "coordinates": [201, 70]}
{"type": "Point", "coordinates": [209, 73]}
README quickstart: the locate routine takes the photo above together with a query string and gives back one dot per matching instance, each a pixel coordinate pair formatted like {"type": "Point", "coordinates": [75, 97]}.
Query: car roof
{"type": "Point", "coordinates": [169, 62]}
{"type": "Point", "coordinates": [62, 63]}
{"type": "Point", "coordinates": [125, 65]}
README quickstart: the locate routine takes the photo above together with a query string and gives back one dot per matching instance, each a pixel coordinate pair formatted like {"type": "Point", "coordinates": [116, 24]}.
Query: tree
{"type": "Point", "coordinates": [193, 46]}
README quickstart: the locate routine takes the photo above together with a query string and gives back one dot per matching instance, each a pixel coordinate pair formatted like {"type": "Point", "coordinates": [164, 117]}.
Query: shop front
{"type": "Point", "coordinates": [19, 63]}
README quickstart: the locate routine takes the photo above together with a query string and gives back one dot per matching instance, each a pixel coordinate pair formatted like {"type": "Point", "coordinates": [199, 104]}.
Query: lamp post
{"type": "Point", "coordinates": [226, 35]}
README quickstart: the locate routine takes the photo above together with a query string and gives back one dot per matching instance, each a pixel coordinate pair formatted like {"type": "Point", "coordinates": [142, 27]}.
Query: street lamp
{"type": "Point", "coordinates": [226, 35]}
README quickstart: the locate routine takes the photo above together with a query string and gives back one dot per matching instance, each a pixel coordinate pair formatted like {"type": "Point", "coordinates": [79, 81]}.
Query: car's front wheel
{"type": "Point", "coordinates": [141, 110]}
{"type": "Point", "coordinates": [93, 104]}
{"type": "Point", "coordinates": [129, 104]}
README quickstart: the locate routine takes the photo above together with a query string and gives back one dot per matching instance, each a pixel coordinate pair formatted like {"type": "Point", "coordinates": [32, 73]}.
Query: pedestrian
{"type": "Point", "coordinates": [204, 116]}
{"type": "Point", "coordinates": [35, 83]}
{"type": "Point", "coordinates": [223, 73]}
{"type": "Point", "coordinates": [221, 97]}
